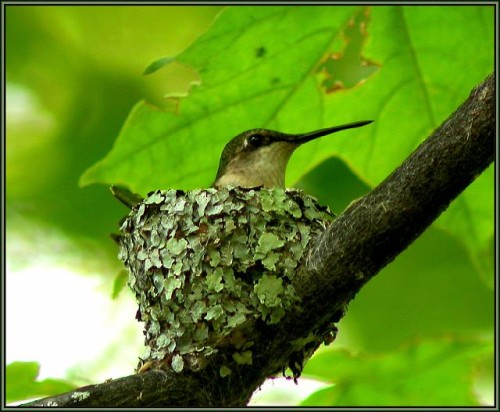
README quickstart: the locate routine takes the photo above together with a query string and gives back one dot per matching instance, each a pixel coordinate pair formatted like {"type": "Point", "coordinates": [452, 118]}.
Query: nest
{"type": "Point", "coordinates": [205, 263]}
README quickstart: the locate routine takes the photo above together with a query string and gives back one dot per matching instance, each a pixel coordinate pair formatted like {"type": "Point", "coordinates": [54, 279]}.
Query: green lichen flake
{"type": "Point", "coordinates": [203, 262]}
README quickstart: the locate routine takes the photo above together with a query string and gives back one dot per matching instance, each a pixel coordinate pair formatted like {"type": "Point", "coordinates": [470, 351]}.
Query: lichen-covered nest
{"type": "Point", "coordinates": [201, 263]}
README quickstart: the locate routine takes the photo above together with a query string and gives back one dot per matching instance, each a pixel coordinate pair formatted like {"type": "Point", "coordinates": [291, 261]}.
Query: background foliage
{"type": "Point", "coordinates": [74, 73]}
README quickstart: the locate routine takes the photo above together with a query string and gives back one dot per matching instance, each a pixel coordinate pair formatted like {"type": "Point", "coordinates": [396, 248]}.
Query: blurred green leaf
{"type": "Point", "coordinates": [470, 218]}
{"type": "Point", "coordinates": [435, 372]}
{"type": "Point", "coordinates": [434, 278]}
{"type": "Point", "coordinates": [71, 82]}
{"type": "Point", "coordinates": [119, 283]}
{"type": "Point", "coordinates": [21, 383]}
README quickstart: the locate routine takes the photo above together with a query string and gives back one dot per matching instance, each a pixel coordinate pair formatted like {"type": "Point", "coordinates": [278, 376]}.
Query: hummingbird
{"type": "Point", "coordinates": [258, 157]}
{"type": "Point", "coordinates": [255, 158]}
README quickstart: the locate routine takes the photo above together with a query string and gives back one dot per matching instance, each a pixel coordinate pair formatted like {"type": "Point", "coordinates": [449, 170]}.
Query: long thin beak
{"type": "Point", "coordinates": [307, 137]}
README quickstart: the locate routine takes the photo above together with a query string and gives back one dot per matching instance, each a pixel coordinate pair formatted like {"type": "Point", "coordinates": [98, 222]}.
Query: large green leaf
{"type": "Point", "coordinates": [256, 64]}
{"type": "Point", "coordinates": [426, 73]}
{"type": "Point", "coordinates": [299, 68]}
{"type": "Point", "coordinates": [21, 382]}
{"type": "Point", "coordinates": [437, 372]}
{"type": "Point", "coordinates": [258, 67]}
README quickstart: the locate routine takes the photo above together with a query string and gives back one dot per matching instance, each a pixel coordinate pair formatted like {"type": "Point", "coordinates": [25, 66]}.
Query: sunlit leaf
{"type": "Point", "coordinates": [252, 62]}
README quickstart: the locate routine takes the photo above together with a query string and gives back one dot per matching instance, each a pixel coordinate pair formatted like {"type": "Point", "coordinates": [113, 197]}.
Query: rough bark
{"type": "Point", "coordinates": [370, 233]}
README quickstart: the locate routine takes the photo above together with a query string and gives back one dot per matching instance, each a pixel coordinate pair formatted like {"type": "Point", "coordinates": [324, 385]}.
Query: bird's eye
{"type": "Point", "coordinates": [255, 140]}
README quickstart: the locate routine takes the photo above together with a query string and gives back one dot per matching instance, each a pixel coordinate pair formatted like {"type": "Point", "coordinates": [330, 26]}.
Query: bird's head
{"type": "Point", "coordinates": [258, 157]}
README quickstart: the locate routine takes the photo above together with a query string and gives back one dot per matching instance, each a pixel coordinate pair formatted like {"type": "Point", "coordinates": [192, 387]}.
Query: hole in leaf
{"type": "Point", "coordinates": [348, 68]}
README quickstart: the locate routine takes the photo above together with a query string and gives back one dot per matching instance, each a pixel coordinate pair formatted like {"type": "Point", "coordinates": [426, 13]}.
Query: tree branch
{"type": "Point", "coordinates": [370, 233]}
